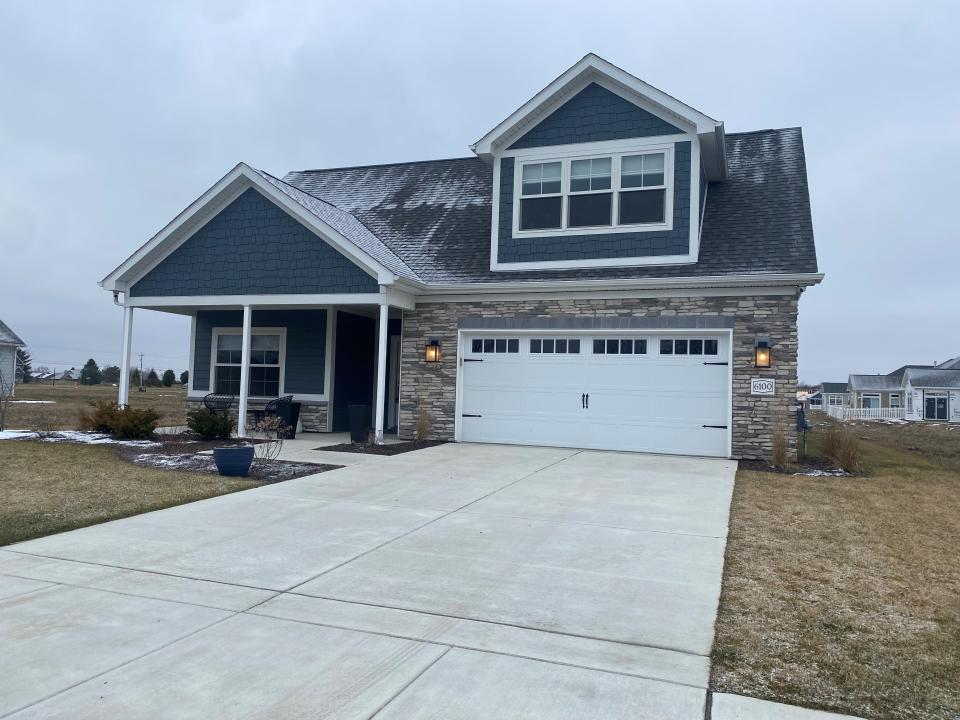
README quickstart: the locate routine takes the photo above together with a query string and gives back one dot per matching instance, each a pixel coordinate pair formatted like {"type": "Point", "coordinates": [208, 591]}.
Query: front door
{"type": "Point", "coordinates": [935, 407]}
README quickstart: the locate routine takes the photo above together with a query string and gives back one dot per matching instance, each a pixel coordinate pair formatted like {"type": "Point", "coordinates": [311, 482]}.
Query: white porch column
{"type": "Point", "coordinates": [244, 373]}
{"type": "Point", "coordinates": [124, 397]}
{"type": "Point", "coordinates": [383, 329]}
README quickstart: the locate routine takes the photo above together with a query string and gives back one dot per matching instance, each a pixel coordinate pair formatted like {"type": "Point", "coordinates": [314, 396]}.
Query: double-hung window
{"type": "Point", "coordinates": [266, 356]}
{"type": "Point", "coordinates": [614, 191]}
{"type": "Point", "coordinates": [541, 202]}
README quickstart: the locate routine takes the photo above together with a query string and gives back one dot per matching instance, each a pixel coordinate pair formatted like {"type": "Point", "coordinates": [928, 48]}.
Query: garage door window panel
{"type": "Point", "coordinates": [494, 346]}
{"type": "Point", "coordinates": [554, 346]}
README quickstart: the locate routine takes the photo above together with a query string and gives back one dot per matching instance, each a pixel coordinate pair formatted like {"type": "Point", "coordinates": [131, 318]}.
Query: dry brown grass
{"type": "Point", "coordinates": [844, 593]}
{"type": "Point", "coordinates": [70, 399]}
{"type": "Point", "coordinates": [47, 488]}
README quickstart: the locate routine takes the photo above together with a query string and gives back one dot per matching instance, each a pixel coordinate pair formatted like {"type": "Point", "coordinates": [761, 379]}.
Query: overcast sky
{"type": "Point", "coordinates": [115, 116]}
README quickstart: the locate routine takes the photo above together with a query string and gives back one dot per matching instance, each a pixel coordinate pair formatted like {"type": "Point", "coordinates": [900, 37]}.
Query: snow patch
{"type": "Point", "coordinates": [74, 436]}
{"type": "Point", "coordinates": [33, 402]}
{"type": "Point", "coordinates": [824, 473]}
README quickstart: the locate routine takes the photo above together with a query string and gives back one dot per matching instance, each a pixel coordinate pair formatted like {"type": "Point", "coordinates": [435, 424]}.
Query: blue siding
{"type": "Point", "coordinates": [599, 246]}
{"type": "Point", "coordinates": [594, 114]}
{"type": "Point", "coordinates": [305, 353]}
{"type": "Point", "coordinates": [253, 247]}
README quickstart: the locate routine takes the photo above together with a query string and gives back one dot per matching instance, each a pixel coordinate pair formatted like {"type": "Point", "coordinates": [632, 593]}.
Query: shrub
{"type": "Point", "coordinates": [135, 424]}
{"type": "Point", "coordinates": [101, 418]}
{"type": "Point", "coordinates": [842, 446]}
{"type": "Point", "coordinates": [423, 425]}
{"type": "Point", "coordinates": [209, 425]}
{"type": "Point", "coordinates": [168, 378]}
{"type": "Point", "coordinates": [124, 423]}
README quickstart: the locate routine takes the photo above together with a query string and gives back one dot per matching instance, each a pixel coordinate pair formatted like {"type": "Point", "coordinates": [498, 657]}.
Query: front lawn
{"type": "Point", "coordinates": [42, 406]}
{"type": "Point", "coordinates": [52, 487]}
{"type": "Point", "coordinates": [844, 593]}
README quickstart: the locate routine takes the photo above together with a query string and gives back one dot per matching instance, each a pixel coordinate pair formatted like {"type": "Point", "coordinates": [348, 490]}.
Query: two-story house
{"type": "Point", "coordinates": [608, 269]}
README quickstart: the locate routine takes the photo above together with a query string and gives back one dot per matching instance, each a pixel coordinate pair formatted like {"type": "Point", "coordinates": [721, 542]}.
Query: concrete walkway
{"type": "Point", "coordinates": [461, 581]}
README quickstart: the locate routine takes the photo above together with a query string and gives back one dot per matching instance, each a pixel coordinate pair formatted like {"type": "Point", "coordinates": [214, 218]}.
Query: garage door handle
{"type": "Point", "coordinates": [583, 401]}
{"type": "Point", "coordinates": [716, 363]}
{"type": "Point", "coordinates": [469, 415]}
{"type": "Point", "coordinates": [718, 427]}
{"type": "Point", "coordinates": [473, 359]}
{"type": "Point", "coordinates": [588, 401]}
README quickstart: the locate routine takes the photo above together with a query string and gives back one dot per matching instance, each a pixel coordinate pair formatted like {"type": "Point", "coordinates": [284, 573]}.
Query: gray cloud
{"type": "Point", "coordinates": [115, 116]}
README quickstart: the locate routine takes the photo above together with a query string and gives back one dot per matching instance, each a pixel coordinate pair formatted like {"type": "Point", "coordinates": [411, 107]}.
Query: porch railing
{"type": "Point", "coordinates": [847, 413]}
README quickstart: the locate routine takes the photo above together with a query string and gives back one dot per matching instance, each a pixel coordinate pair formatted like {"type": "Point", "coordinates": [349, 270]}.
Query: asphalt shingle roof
{"type": "Point", "coordinates": [874, 382]}
{"type": "Point", "coordinates": [831, 388]}
{"type": "Point", "coordinates": [934, 377]}
{"type": "Point", "coordinates": [952, 364]}
{"type": "Point", "coordinates": [8, 336]}
{"type": "Point", "coordinates": [434, 216]}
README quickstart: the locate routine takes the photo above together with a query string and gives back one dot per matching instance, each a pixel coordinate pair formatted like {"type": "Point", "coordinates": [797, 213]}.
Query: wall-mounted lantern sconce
{"type": "Point", "coordinates": [761, 352]}
{"type": "Point", "coordinates": [432, 351]}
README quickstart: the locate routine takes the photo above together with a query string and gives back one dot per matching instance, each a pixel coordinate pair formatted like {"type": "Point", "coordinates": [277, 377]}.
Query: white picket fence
{"type": "Point", "coordinates": [846, 413]}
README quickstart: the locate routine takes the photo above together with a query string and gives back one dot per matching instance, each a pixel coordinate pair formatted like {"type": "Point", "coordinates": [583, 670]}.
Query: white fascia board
{"type": "Point", "coordinates": [224, 191]}
{"type": "Point", "coordinates": [791, 280]}
{"type": "Point", "coordinates": [592, 68]}
{"type": "Point", "coordinates": [237, 301]}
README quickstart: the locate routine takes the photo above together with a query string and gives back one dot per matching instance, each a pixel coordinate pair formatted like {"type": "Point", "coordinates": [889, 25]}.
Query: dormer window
{"type": "Point", "coordinates": [619, 192]}
{"type": "Point", "coordinates": [541, 204]}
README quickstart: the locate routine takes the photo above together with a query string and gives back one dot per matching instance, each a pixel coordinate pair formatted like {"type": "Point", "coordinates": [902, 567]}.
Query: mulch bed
{"type": "Point", "coordinates": [179, 452]}
{"type": "Point", "coordinates": [392, 449]}
{"type": "Point", "coordinates": [813, 466]}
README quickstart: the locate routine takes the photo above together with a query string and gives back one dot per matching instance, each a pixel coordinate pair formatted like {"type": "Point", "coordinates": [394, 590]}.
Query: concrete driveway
{"type": "Point", "coordinates": [461, 581]}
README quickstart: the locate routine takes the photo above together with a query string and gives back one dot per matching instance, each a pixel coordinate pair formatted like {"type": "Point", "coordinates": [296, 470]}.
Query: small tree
{"type": "Point", "coordinates": [90, 373]}
{"type": "Point", "coordinates": [153, 380]}
{"type": "Point", "coordinates": [111, 374]}
{"type": "Point", "coordinates": [168, 378]}
{"type": "Point", "coordinates": [184, 377]}
{"type": "Point", "coordinates": [135, 377]}
{"type": "Point", "coordinates": [24, 371]}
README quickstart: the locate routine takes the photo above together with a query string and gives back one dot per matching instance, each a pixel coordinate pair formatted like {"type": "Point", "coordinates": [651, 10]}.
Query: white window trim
{"type": "Point", "coordinates": [218, 331]}
{"type": "Point", "coordinates": [870, 395]}
{"type": "Point", "coordinates": [890, 400]}
{"type": "Point", "coordinates": [835, 400]}
{"type": "Point", "coordinates": [616, 156]}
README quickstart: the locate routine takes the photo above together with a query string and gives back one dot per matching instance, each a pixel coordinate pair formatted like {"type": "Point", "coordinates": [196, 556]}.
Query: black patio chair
{"type": "Point", "coordinates": [278, 407]}
{"type": "Point", "coordinates": [218, 402]}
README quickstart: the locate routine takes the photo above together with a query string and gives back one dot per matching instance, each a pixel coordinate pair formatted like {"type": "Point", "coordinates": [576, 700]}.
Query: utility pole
{"type": "Point", "coordinates": [142, 388]}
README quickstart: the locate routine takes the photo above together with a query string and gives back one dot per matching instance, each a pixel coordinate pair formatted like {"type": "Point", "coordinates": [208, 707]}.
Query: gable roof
{"type": "Point", "coordinates": [951, 364]}
{"type": "Point", "coordinates": [934, 377]}
{"type": "Point", "coordinates": [833, 388]}
{"type": "Point", "coordinates": [593, 69]}
{"type": "Point", "coordinates": [435, 215]}
{"type": "Point", "coordinates": [327, 222]}
{"type": "Point", "coordinates": [8, 336]}
{"type": "Point", "coordinates": [898, 373]}
{"type": "Point", "coordinates": [873, 382]}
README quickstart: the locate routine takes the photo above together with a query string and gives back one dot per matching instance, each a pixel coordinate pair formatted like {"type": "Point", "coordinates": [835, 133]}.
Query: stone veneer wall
{"type": "Point", "coordinates": [432, 387]}
{"type": "Point", "coordinates": [313, 415]}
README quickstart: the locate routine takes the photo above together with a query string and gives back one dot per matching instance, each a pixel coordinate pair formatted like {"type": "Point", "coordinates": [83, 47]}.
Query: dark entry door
{"type": "Point", "coordinates": [355, 353]}
{"type": "Point", "coordinates": [936, 408]}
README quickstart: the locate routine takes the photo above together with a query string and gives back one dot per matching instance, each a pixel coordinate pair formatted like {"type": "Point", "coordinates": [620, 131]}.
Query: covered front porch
{"type": "Point", "coordinates": [327, 352]}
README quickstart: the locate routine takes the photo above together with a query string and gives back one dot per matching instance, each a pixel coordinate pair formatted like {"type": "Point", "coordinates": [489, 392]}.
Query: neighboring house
{"type": "Point", "coordinates": [873, 392]}
{"type": "Point", "coordinates": [932, 394]}
{"type": "Point", "coordinates": [9, 342]}
{"type": "Point", "coordinates": [831, 395]}
{"type": "Point", "coordinates": [911, 392]}
{"type": "Point", "coordinates": [604, 271]}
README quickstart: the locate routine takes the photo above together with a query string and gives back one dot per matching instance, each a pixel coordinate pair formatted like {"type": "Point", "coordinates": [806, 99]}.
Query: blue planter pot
{"type": "Point", "coordinates": [233, 461]}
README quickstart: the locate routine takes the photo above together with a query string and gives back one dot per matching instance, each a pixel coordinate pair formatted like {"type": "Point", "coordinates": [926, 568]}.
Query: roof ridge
{"type": "Point", "coordinates": [765, 130]}
{"type": "Point", "coordinates": [380, 165]}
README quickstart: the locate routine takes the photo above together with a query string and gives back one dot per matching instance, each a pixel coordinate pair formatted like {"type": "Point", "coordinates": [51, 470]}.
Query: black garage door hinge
{"type": "Point", "coordinates": [716, 363]}
{"type": "Point", "coordinates": [473, 359]}
{"type": "Point", "coordinates": [469, 415]}
{"type": "Point", "coordinates": [718, 427]}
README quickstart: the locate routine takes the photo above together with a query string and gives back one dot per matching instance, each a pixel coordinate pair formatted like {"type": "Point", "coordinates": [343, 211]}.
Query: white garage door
{"type": "Point", "coordinates": [641, 392]}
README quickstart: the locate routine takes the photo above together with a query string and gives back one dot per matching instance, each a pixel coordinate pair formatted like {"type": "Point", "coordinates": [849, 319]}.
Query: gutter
{"type": "Point", "coordinates": [715, 281]}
